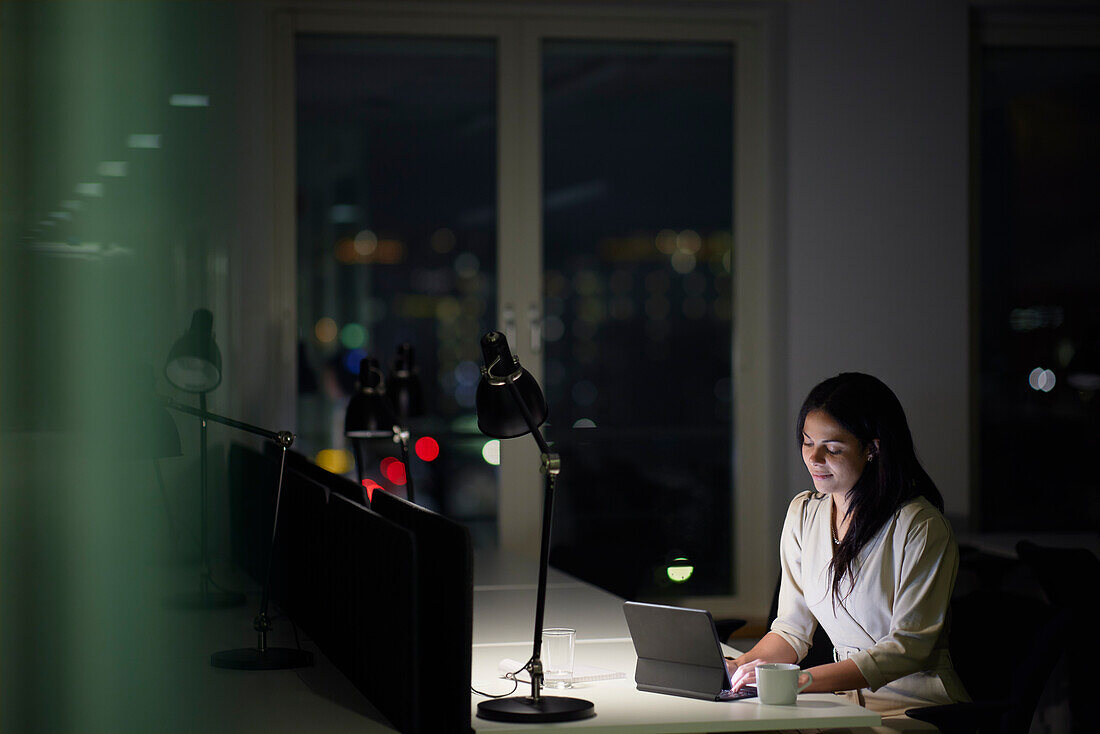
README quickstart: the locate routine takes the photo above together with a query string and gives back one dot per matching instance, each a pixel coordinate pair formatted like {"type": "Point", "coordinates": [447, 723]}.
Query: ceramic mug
{"type": "Point", "coordinates": [777, 683]}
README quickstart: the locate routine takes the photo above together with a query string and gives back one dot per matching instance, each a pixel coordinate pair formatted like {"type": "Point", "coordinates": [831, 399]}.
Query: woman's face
{"type": "Point", "coordinates": [834, 456]}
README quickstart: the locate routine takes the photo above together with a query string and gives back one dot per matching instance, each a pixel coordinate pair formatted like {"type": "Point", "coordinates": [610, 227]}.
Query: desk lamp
{"type": "Point", "coordinates": [369, 416]}
{"type": "Point", "coordinates": [260, 657]}
{"type": "Point", "coordinates": [152, 433]}
{"type": "Point", "coordinates": [407, 398]}
{"type": "Point", "coordinates": [406, 393]}
{"type": "Point", "coordinates": [195, 366]}
{"type": "Point", "coordinates": [510, 404]}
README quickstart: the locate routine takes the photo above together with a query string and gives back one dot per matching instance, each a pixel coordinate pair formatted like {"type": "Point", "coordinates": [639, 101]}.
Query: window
{"type": "Point", "coordinates": [1039, 275]}
{"type": "Point", "coordinates": [596, 189]}
{"type": "Point", "coordinates": [637, 210]}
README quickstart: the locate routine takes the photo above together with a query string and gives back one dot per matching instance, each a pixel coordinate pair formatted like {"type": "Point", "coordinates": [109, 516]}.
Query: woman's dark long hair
{"type": "Point", "coordinates": [869, 410]}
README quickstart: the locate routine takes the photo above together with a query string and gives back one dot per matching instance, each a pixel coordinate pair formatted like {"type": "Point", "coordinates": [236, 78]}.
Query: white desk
{"type": "Point", "coordinates": [320, 698]}
{"type": "Point", "coordinates": [504, 613]}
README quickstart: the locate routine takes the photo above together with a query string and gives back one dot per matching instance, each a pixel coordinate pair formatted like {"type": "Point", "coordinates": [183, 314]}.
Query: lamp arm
{"type": "Point", "coordinates": [401, 436]}
{"type": "Point", "coordinates": [527, 417]}
{"type": "Point", "coordinates": [282, 438]}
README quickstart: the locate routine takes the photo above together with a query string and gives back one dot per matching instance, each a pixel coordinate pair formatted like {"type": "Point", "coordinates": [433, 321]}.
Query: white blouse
{"type": "Point", "coordinates": [893, 625]}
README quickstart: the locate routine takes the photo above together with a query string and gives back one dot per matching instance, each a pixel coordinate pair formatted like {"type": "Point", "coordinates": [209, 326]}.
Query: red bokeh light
{"type": "Point", "coordinates": [370, 486]}
{"type": "Point", "coordinates": [427, 448]}
{"type": "Point", "coordinates": [393, 470]}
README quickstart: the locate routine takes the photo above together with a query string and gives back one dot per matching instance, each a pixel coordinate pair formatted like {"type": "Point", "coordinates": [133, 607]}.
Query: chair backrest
{"type": "Point", "coordinates": [1032, 670]}
{"type": "Point", "coordinates": [986, 629]}
{"type": "Point", "coordinates": [1068, 576]}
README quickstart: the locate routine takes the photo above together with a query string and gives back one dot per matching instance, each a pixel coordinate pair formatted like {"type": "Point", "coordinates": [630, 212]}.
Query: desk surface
{"type": "Point", "coordinates": [620, 706]}
{"type": "Point", "coordinates": [504, 612]}
{"type": "Point", "coordinates": [321, 698]}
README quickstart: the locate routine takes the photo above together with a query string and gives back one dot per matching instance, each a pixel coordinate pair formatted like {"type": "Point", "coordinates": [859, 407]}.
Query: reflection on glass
{"type": "Point", "coordinates": [637, 159]}
{"type": "Point", "coordinates": [397, 243]}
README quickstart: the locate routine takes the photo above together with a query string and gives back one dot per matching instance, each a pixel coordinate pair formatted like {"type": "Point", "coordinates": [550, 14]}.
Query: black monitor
{"type": "Point", "coordinates": [445, 596]}
{"type": "Point", "coordinates": [345, 574]}
{"type": "Point", "coordinates": [334, 482]}
{"type": "Point", "coordinates": [252, 481]}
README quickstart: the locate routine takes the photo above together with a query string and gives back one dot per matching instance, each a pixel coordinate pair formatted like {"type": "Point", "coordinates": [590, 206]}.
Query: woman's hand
{"type": "Point", "coordinates": [743, 674]}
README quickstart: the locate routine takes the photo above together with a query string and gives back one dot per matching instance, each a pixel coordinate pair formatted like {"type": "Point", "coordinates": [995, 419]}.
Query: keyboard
{"type": "Point", "coordinates": [745, 692]}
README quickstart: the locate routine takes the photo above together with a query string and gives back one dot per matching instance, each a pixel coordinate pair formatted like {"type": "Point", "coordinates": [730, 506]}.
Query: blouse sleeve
{"type": "Point", "coordinates": [926, 569]}
{"type": "Point", "coordinates": [794, 622]}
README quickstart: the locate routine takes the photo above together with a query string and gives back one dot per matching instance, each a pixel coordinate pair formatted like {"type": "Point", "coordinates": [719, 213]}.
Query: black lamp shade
{"type": "Point", "coordinates": [194, 362]}
{"type": "Point", "coordinates": [498, 415]}
{"type": "Point", "coordinates": [403, 386]}
{"type": "Point", "coordinates": [368, 414]}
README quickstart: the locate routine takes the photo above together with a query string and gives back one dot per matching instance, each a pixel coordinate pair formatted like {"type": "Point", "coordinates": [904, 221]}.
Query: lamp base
{"type": "Point", "coordinates": [251, 658]}
{"type": "Point", "coordinates": [205, 600]}
{"type": "Point", "coordinates": [524, 709]}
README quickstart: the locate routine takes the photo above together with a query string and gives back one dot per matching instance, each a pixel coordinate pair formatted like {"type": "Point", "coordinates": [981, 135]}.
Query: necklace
{"type": "Point", "coordinates": [832, 526]}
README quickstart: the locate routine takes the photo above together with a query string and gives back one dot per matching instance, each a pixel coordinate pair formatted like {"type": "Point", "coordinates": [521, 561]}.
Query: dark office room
{"type": "Point", "coordinates": [354, 352]}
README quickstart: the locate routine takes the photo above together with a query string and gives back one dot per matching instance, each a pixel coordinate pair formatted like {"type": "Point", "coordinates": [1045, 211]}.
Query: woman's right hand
{"type": "Point", "coordinates": [744, 674]}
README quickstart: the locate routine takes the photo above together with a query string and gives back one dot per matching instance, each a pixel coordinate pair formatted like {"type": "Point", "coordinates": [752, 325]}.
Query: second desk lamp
{"type": "Point", "coordinates": [195, 366]}
{"type": "Point", "coordinates": [369, 416]}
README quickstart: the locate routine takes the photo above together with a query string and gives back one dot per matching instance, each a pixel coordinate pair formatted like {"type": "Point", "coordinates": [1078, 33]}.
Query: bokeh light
{"type": "Point", "coordinates": [683, 262]}
{"type": "Point", "coordinates": [337, 461]}
{"type": "Point", "coordinates": [325, 330]}
{"type": "Point", "coordinates": [353, 335]}
{"type": "Point", "coordinates": [393, 470]}
{"type": "Point", "coordinates": [666, 241]}
{"type": "Point", "coordinates": [427, 448]}
{"type": "Point", "coordinates": [680, 570]}
{"type": "Point", "coordinates": [491, 452]}
{"type": "Point", "coordinates": [689, 242]}
{"type": "Point", "coordinates": [1041, 379]}
{"type": "Point", "coordinates": [443, 240]}
{"type": "Point", "coordinates": [364, 244]}
{"type": "Point", "coordinates": [467, 265]}
{"type": "Point", "coordinates": [553, 328]}
{"type": "Point", "coordinates": [352, 360]}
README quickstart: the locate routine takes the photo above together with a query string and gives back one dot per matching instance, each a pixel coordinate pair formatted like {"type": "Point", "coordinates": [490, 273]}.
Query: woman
{"type": "Point", "coordinates": [866, 554]}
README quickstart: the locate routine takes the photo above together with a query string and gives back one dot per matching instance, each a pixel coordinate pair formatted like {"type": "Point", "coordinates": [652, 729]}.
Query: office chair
{"type": "Point", "coordinates": [989, 631]}
{"type": "Point", "coordinates": [1068, 578]}
{"type": "Point", "coordinates": [726, 627]}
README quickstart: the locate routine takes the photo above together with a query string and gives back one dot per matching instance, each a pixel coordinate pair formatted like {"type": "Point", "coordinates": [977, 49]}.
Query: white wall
{"type": "Point", "coordinates": [877, 233]}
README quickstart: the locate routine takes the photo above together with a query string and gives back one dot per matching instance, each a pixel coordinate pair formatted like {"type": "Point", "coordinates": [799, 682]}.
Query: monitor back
{"type": "Point", "coordinates": [444, 573]}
